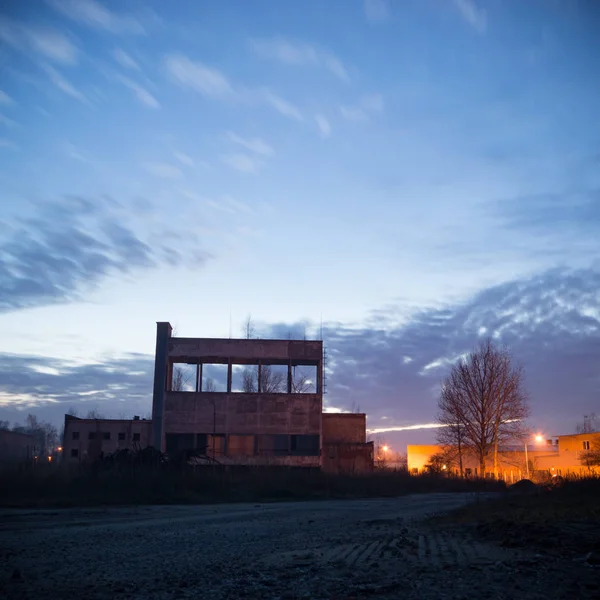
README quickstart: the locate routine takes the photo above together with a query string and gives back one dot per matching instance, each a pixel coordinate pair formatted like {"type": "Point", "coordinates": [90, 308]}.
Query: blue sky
{"type": "Point", "coordinates": [415, 174]}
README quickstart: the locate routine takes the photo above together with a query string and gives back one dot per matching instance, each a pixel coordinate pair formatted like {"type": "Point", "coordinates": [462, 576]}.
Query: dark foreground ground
{"type": "Point", "coordinates": [316, 549]}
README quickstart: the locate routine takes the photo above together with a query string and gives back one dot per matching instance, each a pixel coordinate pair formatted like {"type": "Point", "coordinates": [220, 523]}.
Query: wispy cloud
{"type": "Point", "coordinates": [213, 84]}
{"type": "Point", "coordinates": [163, 170]}
{"type": "Point", "coordinates": [283, 107]}
{"type": "Point", "coordinates": [472, 14]}
{"type": "Point", "coordinates": [197, 76]}
{"type": "Point", "coordinates": [6, 143]}
{"type": "Point", "coordinates": [72, 244]}
{"type": "Point", "coordinates": [141, 93]}
{"type": "Point", "coordinates": [228, 204]}
{"type": "Point", "coordinates": [62, 84]}
{"type": "Point", "coordinates": [377, 11]}
{"type": "Point", "coordinates": [367, 105]}
{"type": "Point", "coordinates": [242, 162]}
{"type": "Point", "coordinates": [5, 98]}
{"type": "Point", "coordinates": [7, 122]}
{"type": "Point", "coordinates": [300, 54]}
{"type": "Point", "coordinates": [323, 125]}
{"type": "Point", "coordinates": [253, 144]}
{"type": "Point", "coordinates": [184, 159]}
{"type": "Point", "coordinates": [51, 43]}
{"type": "Point", "coordinates": [125, 59]}
{"type": "Point", "coordinates": [96, 15]}
{"type": "Point", "coordinates": [54, 45]}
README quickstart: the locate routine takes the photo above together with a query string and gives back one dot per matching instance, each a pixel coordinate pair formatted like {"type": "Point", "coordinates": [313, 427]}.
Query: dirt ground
{"type": "Point", "coordinates": [321, 549]}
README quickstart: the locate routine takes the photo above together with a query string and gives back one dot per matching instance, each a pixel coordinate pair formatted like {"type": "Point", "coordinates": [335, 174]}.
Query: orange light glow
{"type": "Point", "coordinates": [385, 448]}
{"type": "Point", "coordinates": [539, 438]}
{"type": "Point", "coordinates": [59, 448]}
{"type": "Point", "coordinates": [49, 459]}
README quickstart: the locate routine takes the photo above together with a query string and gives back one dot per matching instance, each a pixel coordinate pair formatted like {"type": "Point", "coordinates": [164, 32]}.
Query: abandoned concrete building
{"type": "Point", "coordinates": [88, 438]}
{"type": "Point", "coordinates": [240, 402]}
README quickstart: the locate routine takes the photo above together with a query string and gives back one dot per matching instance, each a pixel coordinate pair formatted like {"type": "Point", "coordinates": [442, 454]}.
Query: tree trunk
{"type": "Point", "coordinates": [482, 466]}
{"type": "Point", "coordinates": [460, 459]}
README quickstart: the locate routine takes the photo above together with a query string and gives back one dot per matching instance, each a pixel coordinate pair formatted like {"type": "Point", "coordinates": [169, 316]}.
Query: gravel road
{"type": "Point", "coordinates": [319, 549]}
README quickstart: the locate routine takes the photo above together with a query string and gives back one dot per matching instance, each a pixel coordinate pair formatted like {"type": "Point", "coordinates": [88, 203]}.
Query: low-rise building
{"type": "Point", "coordinates": [345, 448]}
{"type": "Point", "coordinates": [16, 446]}
{"type": "Point", "coordinates": [563, 455]}
{"type": "Point", "coordinates": [88, 439]}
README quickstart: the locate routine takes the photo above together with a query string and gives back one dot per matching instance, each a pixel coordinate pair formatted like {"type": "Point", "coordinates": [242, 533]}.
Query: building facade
{"type": "Point", "coordinates": [88, 439]}
{"type": "Point", "coordinates": [16, 446]}
{"type": "Point", "coordinates": [345, 449]}
{"type": "Point", "coordinates": [564, 455]}
{"type": "Point", "coordinates": [240, 401]}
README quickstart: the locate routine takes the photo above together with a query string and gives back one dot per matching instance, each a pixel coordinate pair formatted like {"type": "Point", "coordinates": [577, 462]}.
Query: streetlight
{"type": "Point", "coordinates": [538, 438]}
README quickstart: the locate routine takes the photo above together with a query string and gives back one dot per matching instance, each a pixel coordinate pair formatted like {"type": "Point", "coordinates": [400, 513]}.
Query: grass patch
{"type": "Point", "coordinates": [561, 521]}
{"type": "Point", "coordinates": [56, 485]}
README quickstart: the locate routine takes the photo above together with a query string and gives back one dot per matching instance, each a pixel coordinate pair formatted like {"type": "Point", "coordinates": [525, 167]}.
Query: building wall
{"type": "Point", "coordinates": [563, 458]}
{"type": "Point", "coordinates": [16, 446]}
{"type": "Point", "coordinates": [87, 438]}
{"type": "Point", "coordinates": [248, 427]}
{"type": "Point", "coordinates": [344, 427]}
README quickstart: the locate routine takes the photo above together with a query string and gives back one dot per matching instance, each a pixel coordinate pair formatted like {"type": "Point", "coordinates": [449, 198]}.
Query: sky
{"type": "Point", "coordinates": [404, 178]}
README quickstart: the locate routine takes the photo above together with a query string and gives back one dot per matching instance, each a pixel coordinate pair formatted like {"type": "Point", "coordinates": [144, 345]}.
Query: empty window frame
{"type": "Point", "coordinates": [92, 435]}
{"type": "Point", "coordinates": [106, 435]}
{"type": "Point", "coordinates": [304, 379]}
{"type": "Point", "coordinates": [273, 379]}
{"type": "Point", "coordinates": [176, 442]}
{"type": "Point", "coordinates": [305, 445]}
{"type": "Point", "coordinates": [586, 445]}
{"type": "Point", "coordinates": [136, 437]}
{"type": "Point", "coordinates": [244, 378]}
{"type": "Point", "coordinates": [183, 378]}
{"type": "Point", "coordinates": [214, 378]}
{"type": "Point", "coordinates": [74, 452]}
{"type": "Point", "coordinates": [75, 435]}
{"type": "Point", "coordinates": [121, 437]}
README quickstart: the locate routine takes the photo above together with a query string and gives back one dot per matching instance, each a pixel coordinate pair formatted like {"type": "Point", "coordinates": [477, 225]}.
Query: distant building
{"type": "Point", "coordinates": [275, 418]}
{"type": "Point", "coordinates": [15, 446]}
{"type": "Point", "coordinates": [88, 439]}
{"type": "Point", "coordinates": [562, 455]}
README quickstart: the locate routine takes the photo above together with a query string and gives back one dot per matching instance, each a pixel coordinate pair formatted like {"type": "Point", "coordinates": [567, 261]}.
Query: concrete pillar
{"type": "Point", "coordinates": [163, 334]}
{"type": "Point", "coordinates": [259, 376]}
{"type": "Point", "coordinates": [229, 376]}
{"type": "Point", "coordinates": [289, 377]}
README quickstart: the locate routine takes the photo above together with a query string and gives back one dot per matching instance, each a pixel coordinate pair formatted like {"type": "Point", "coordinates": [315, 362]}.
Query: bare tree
{"type": "Point", "coordinates": [209, 385]}
{"type": "Point", "coordinates": [301, 383]}
{"type": "Point", "coordinates": [248, 329]}
{"type": "Point", "coordinates": [590, 424]}
{"type": "Point", "coordinates": [452, 435]}
{"type": "Point", "coordinates": [591, 457]}
{"type": "Point", "coordinates": [72, 411]}
{"type": "Point", "coordinates": [483, 402]}
{"type": "Point", "coordinates": [177, 382]}
{"type": "Point", "coordinates": [94, 414]}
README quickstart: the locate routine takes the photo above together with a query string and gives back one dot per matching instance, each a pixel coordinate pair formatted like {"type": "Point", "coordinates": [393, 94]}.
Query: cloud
{"type": "Point", "coordinates": [323, 125]}
{"type": "Point", "coordinates": [256, 145]}
{"type": "Point", "coordinates": [6, 121]}
{"type": "Point", "coordinates": [110, 384]}
{"type": "Point", "coordinates": [63, 85]}
{"type": "Point", "coordinates": [197, 76]}
{"type": "Point", "coordinates": [226, 204]}
{"type": "Point", "coordinates": [141, 93]}
{"type": "Point", "coordinates": [98, 16]}
{"type": "Point", "coordinates": [299, 54]}
{"type": "Point", "coordinates": [472, 14]}
{"type": "Point", "coordinates": [367, 105]}
{"type": "Point", "coordinates": [5, 143]}
{"type": "Point", "coordinates": [242, 162]}
{"type": "Point", "coordinates": [53, 45]}
{"type": "Point", "coordinates": [282, 106]}
{"type": "Point", "coordinates": [72, 245]}
{"type": "Point", "coordinates": [125, 59]}
{"type": "Point", "coordinates": [551, 323]}
{"type": "Point", "coordinates": [213, 84]}
{"type": "Point", "coordinates": [164, 170]}
{"type": "Point", "coordinates": [184, 159]}
{"type": "Point", "coordinates": [377, 11]}
{"type": "Point", "coordinates": [5, 98]}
